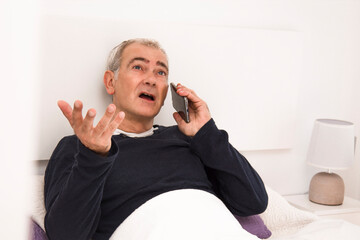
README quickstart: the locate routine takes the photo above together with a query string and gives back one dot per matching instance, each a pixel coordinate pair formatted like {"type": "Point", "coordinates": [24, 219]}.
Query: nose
{"type": "Point", "coordinates": [150, 80]}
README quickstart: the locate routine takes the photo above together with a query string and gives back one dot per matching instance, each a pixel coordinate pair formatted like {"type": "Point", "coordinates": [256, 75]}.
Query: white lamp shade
{"type": "Point", "coordinates": [332, 144]}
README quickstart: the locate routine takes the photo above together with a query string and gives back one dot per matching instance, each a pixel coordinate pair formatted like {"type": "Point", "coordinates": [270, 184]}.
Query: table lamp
{"type": "Point", "coordinates": [332, 148]}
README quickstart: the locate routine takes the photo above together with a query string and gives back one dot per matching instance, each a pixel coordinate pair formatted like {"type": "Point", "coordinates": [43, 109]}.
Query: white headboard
{"type": "Point", "coordinates": [248, 77]}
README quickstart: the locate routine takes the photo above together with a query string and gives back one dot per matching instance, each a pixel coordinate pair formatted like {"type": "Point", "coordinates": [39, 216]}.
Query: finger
{"type": "Point", "coordinates": [190, 94]}
{"type": "Point", "coordinates": [66, 110]}
{"type": "Point", "coordinates": [89, 120]}
{"type": "Point", "coordinates": [114, 124]}
{"type": "Point", "coordinates": [178, 119]}
{"type": "Point", "coordinates": [77, 117]}
{"type": "Point", "coordinates": [104, 121]}
{"type": "Point", "coordinates": [184, 89]}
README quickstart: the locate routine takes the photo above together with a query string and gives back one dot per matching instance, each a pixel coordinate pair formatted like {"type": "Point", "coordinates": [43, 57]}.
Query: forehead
{"type": "Point", "coordinates": [139, 50]}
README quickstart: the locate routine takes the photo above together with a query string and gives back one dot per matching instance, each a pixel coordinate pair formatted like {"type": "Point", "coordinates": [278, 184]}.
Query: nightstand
{"type": "Point", "coordinates": [348, 211]}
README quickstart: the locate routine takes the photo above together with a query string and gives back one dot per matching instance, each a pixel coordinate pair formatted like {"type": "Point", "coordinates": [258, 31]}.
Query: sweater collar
{"type": "Point", "coordinates": [136, 135]}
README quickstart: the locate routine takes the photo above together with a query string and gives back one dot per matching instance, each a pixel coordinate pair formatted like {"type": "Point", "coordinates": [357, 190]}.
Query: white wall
{"type": "Point", "coordinates": [248, 77]}
{"type": "Point", "coordinates": [17, 101]}
{"type": "Point", "coordinates": [330, 77]}
{"type": "Point", "coordinates": [329, 88]}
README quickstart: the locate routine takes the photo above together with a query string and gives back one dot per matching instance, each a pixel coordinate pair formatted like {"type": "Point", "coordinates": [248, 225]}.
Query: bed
{"type": "Point", "coordinates": [280, 221]}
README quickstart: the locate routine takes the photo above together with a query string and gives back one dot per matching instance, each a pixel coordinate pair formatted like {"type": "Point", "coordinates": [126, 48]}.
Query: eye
{"type": "Point", "coordinates": [162, 73]}
{"type": "Point", "coordinates": [137, 67]}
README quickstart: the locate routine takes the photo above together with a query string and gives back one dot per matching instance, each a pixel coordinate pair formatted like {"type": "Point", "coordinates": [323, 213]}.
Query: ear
{"type": "Point", "coordinates": [109, 82]}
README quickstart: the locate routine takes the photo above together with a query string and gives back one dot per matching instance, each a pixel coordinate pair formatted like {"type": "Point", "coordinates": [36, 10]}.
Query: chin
{"type": "Point", "coordinates": [149, 114]}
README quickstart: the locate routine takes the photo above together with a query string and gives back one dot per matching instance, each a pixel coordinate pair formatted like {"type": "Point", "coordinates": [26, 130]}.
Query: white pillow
{"type": "Point", "coordinates": [281, 218]}
{"type": "Point", "coordinates": [38, 206]}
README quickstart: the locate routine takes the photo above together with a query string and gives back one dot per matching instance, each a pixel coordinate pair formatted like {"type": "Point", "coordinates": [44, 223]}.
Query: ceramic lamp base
{"type": "Point", "coordinates": [327, 189]}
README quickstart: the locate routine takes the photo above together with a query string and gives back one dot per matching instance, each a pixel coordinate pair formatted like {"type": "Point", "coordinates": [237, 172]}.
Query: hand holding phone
{"type": "Point", "coordinates": [180, 103]}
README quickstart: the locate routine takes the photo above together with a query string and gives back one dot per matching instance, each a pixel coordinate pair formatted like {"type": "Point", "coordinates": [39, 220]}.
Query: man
{"type": "Point", "coordinates": [97, 181]}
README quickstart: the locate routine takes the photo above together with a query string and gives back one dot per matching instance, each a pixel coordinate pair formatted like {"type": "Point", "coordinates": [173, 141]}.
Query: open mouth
{"type": "Point", "coordinates": [147, 96]}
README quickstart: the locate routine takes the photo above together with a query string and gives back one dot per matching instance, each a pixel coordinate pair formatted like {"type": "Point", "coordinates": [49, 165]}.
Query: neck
{"type": "Point", "coordinates": [133, 124]}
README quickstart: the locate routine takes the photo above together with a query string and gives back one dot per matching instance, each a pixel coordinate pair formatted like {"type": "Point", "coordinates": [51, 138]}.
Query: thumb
{"type": "Point", "coordinates": [178, 119]}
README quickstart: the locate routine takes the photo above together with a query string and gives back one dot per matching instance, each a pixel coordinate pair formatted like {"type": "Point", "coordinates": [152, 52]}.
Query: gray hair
{"type": "Point", "coordinates": [115, 56]}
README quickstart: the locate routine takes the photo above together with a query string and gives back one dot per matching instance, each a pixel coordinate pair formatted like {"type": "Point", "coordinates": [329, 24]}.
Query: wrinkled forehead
{"type": "Point", "coordinates": [138, 50]}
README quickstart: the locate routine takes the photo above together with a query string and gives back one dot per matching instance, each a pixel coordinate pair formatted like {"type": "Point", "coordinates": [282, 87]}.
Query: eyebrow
{"type": "Point", "coordinates": [159, 63]}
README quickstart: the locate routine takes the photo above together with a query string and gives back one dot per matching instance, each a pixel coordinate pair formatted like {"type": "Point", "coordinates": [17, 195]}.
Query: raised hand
{"type": "Point", "coordinates": [97, 138]}
{"type": "Point", "coordinates": [198, 111]}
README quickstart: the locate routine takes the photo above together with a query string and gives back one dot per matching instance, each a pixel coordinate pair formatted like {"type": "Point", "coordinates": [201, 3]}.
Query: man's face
{"type": "Point", "coordinates": [141, 85]}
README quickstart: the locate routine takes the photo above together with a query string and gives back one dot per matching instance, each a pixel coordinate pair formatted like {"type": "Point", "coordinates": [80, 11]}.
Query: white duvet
{"type": "Point", "coordinates": [182, 214]}
{"type": "Point", "coordinates": [326, 229]}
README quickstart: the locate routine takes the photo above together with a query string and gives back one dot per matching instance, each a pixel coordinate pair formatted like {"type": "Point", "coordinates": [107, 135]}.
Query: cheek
{"type": "Point", "coordinates": [164, 91]}
{"type": "Point", "coordinates": [125, 87]}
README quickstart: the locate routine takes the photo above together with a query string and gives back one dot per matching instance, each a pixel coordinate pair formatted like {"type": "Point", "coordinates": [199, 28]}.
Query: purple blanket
{"type": "Point", "coordinates": [254, 225]}
{"type": "Point", "coordinates": [37, 233]}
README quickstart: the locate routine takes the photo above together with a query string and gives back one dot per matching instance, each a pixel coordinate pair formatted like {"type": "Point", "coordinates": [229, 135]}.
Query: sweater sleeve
{"type": "Point", "coordinates": [74, 183]}
{"type": "Point", "coordinates": [235, 182]}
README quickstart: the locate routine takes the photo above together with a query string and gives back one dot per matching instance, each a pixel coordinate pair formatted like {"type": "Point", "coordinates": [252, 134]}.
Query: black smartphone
{"type": "Point", "coordinates": [180, 103]}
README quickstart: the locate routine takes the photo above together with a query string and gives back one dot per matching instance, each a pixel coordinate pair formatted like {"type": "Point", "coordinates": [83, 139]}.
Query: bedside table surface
{"type": "Point", "coordinates": [302, 201]}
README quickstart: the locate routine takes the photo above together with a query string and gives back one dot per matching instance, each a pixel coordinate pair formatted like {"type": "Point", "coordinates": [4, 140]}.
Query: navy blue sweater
{"type": "Point", "coordinates": [88, 196]}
